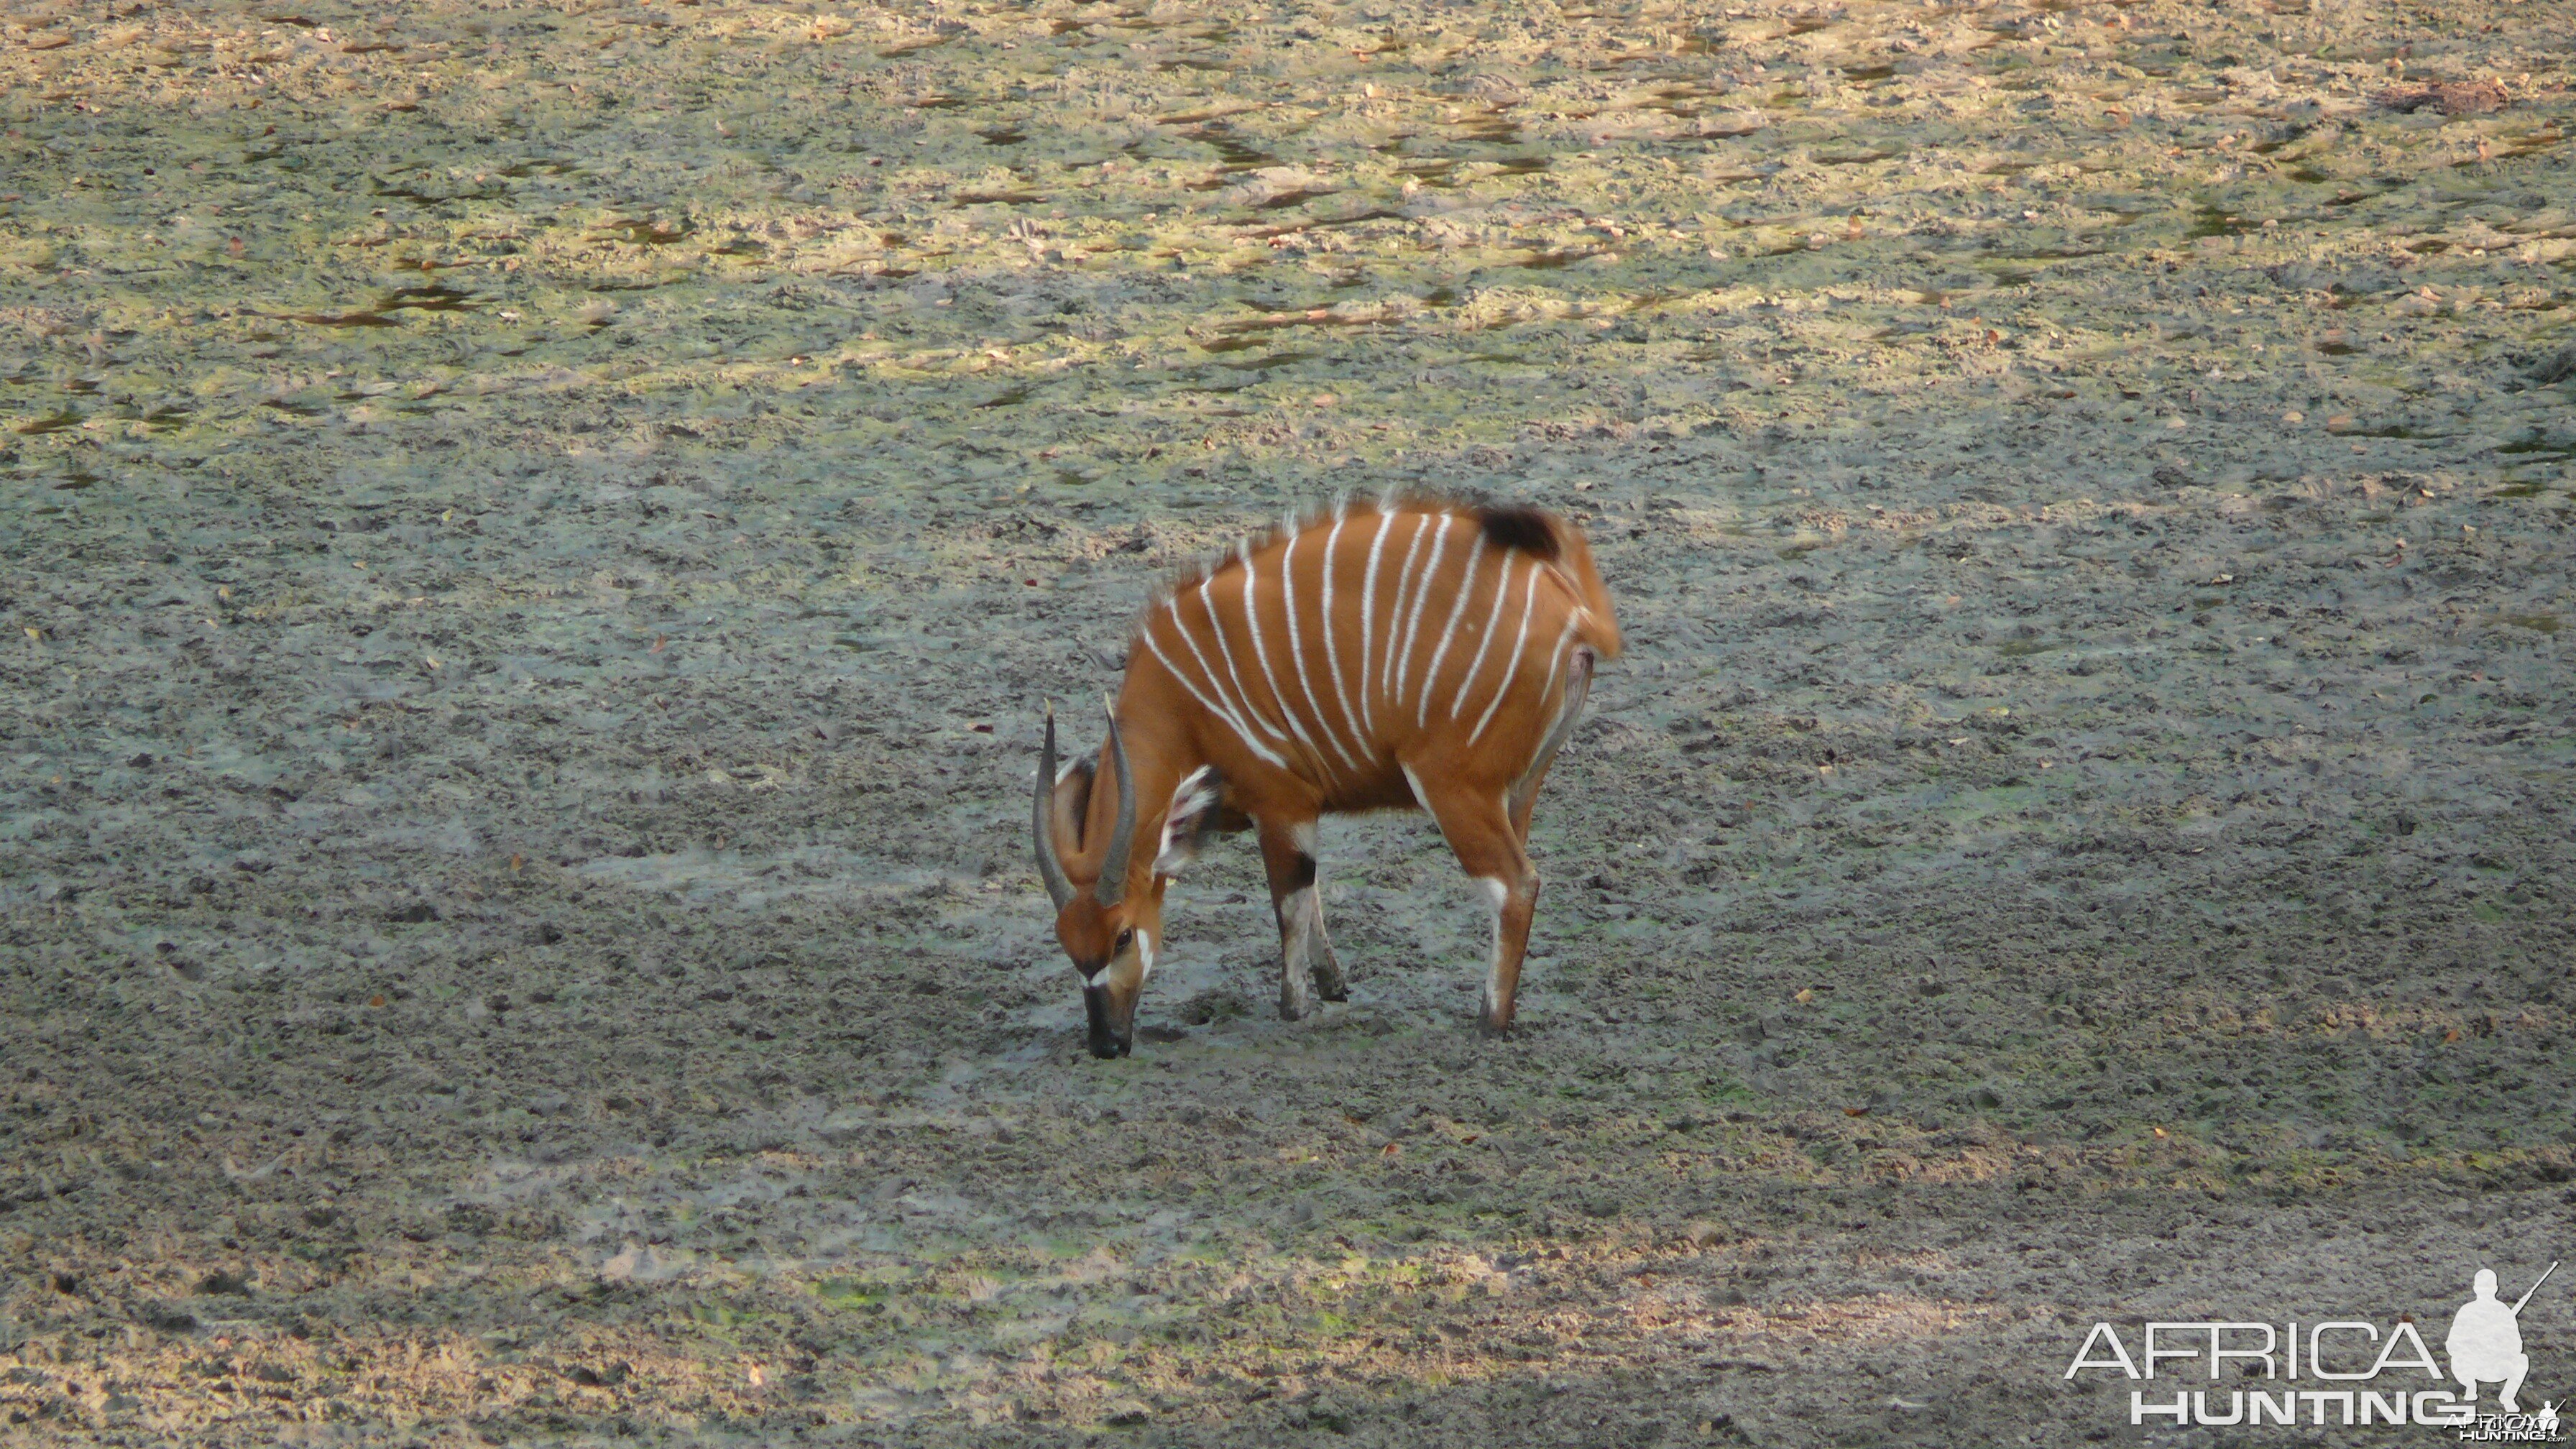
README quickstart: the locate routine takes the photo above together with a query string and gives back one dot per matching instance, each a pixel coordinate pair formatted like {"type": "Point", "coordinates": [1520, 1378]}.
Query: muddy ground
{"type": "Point", "coordinates": [535, 539]}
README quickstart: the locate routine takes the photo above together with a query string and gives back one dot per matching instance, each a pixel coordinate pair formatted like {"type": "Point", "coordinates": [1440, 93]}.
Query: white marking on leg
{"type": "Point", "coordinates": [1368, 612]}
{"type": "Point", "coordinates": [1421, 596]}
{"type": "Point", "coordinates": [1300, 910]}
{"type": "Point", "coordinates": [1431, 671]}
{"type": "Point", "coordinates": [1395, 613]}
{"type": "Point", "coordinates": [1216, 626]}
{"type": "Point", "coordinates": [1302, 836]}
{"type": "Point", "coordinates": [1529, 600]}
{"type": "Point", "coordinates": [1298, 922]}
{"type": "Point", "coordinates": [1297, 651]}
{"type": "Point", "coordinates": [1332, 650]}
{"type": "Point", "coordinates": [1501, 894]}
{"type": "Point", "coordinates": [1493, 626]}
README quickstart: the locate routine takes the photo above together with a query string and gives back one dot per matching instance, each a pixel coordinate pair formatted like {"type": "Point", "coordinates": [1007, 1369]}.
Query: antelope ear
{"type": "Point", "coordinates": [1072, 804]}
{"type": "Point", "coordinates": [1194, 809]}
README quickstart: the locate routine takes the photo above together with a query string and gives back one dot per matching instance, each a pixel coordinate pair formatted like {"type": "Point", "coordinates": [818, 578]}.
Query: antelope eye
{"type": "Point", "coordinates": [1126, 938]}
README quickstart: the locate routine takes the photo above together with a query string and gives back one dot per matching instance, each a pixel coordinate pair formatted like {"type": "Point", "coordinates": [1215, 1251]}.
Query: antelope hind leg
{"type": "Point", "coordinates": [1307, 966]}
{"type": "Point", "coordinates": [1479, 831]}
{"type": "Point", "coordinates": [1524, 794]}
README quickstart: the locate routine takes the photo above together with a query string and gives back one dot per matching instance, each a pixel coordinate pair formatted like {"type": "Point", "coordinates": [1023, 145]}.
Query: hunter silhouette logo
{"type": "Point", "coordinates": [2486, 1341]}
{"type": "Point", "coordinates": [2365, 1376]}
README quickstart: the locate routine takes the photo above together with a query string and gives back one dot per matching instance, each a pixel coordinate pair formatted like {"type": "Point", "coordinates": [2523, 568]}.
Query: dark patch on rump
{"type": "Point", "coordinates": [1525, 529]}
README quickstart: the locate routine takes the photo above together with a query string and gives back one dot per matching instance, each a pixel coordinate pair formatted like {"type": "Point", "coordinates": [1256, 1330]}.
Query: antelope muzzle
{"type": "Point", "coordinates": [1113, 1028]}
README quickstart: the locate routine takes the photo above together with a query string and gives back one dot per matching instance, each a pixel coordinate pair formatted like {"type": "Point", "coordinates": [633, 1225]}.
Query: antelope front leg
{"type": "Point", "coordinates": [1305, 954]}
{"type": "Point", "coordinates": [1479, 831]}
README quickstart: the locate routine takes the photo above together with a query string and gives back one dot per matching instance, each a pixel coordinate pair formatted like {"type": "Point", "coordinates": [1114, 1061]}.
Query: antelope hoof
{"type": "Point", "coordinates": [1296, 1002]}
{"type": "Point", "coordinates": [1494, 1020]}
{"type": "Point", "coordinates": [1328, 978]}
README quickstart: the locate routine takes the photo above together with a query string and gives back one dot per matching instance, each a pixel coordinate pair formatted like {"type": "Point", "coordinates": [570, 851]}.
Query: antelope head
{"type": "Point", "coordinates": [1112, 923]}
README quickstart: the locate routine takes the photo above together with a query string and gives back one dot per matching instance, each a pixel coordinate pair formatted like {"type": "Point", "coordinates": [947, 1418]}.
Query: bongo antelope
{"type": "Point", "coordinates": [1411, 653]}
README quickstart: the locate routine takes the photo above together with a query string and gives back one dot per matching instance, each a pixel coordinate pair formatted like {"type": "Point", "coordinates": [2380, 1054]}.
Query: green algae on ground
{"type": "Point", "coordinates": [536, 536]}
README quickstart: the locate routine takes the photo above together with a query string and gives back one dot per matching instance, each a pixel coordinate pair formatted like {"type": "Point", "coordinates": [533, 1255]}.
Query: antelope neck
{"type": "Point", "coordinates": [1158, 764]}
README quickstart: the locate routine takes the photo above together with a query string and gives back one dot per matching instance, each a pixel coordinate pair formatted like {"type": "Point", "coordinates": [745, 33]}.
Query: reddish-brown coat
{"type": "Point", "coordinates": [1419, 654]}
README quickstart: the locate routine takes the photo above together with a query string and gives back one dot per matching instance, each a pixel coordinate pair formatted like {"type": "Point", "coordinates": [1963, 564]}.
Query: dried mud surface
{"type": "Point", "coordinates": [535, 538]}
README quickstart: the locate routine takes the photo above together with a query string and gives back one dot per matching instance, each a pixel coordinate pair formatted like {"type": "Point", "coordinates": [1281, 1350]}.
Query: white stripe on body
{"type": "Point", "coordinates": [1556, 656]}
{"type": "Point", "coordinates": [1232, 674]}
{"type": "Point", "coordinates": [1297, 651]}
{"type": "Point", "coordinates": [1431, 671]}
{"type": "Point", "coordinates": [1493, 626]}
{"type": "Point", "coordinates": [1332, 651]}
{"type": "Point", "coordinates": [1190, 637]}
{"type": "Point", "coordinates": [1529, 601]}
{"type": "Point", "coordinates": [1261, 651]}
{"type": "Point", "coordinates": [1421, 596]}
{"type": "Point", "coordinates": [1395, 614]}
{"type": "Point", "coordinates": [1243, 697]}
{"type": "Point", "coordinates": [1368, 612]}
{"type": "Point", "coordinates": [1241, 731]}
